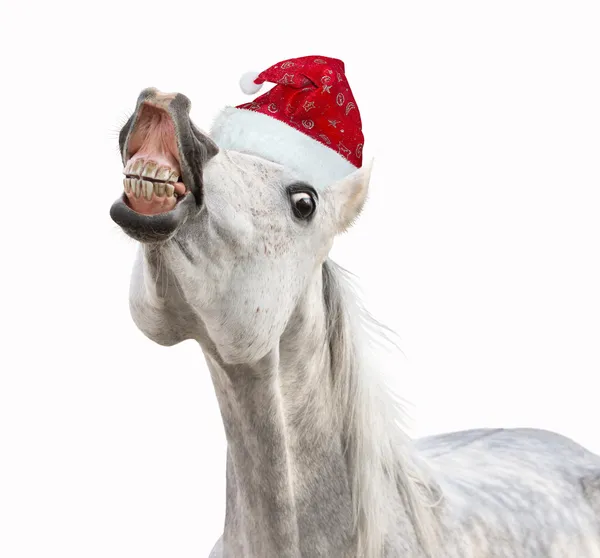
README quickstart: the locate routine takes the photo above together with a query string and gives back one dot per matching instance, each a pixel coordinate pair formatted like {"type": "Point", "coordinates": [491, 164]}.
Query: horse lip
{"type": "Point", "coordinates": [152, 228]}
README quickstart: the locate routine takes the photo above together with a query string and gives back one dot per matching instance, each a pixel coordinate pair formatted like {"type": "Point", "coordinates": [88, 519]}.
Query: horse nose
{"type": "Point", "coordinates": [174, 103]}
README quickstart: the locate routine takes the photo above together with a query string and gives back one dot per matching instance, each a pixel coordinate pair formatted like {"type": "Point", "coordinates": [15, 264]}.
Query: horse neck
{"type": "Point", "coordinates": [287, 476]}
{"type": "Point", "coordinates": [314, 468]}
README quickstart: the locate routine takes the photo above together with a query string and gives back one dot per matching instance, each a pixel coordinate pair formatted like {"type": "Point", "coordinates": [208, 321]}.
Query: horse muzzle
{"type": "Point", "coordinates": [163, 156]}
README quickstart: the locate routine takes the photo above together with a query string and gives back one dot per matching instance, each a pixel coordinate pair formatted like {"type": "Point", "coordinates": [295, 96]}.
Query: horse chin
{"type": "Point", "coordinates": [158, 227]}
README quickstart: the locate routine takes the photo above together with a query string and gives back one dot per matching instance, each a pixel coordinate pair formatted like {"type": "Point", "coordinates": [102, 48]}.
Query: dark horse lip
{"type": "Point", "coordinates": [152, 228]}
{"type": "Point", "coordinates": [194, 150]}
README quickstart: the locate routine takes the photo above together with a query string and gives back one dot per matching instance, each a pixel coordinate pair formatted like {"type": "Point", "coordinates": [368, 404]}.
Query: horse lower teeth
{"type": "Point", "coordinates": [139, 187]}
{"type": "Point", "coordinates": [148, 189]}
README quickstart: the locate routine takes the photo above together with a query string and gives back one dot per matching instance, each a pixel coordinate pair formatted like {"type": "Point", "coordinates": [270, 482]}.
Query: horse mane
{"type": "Point", "coordinates": [380, 456]}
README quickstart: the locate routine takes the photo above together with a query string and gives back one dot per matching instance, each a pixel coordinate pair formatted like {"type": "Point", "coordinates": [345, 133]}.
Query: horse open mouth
{"type": "Point", "coordinates": [163, 155]}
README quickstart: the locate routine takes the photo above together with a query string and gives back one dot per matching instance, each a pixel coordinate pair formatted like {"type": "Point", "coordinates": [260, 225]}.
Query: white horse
{"type": "Point", "coordinates": [234, 254]}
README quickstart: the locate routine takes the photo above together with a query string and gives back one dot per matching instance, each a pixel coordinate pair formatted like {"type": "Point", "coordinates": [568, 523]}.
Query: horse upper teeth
{"type": "Point", "coordinates": [142, 170]}
{"type": "Point", "coordinates": [137, 167]}
{"type": "Point", "coordinates": [150, 169]}
{"type": "Point", "coordinates": [163, 174]}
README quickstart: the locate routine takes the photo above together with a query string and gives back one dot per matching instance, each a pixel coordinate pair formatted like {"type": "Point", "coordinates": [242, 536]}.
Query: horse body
{"type": "Point", "coordinates": [515, 492]}
{"type": "Point", "coordinates": [508, 493]}
{"type": "Point", "coordinates": [234, 254]}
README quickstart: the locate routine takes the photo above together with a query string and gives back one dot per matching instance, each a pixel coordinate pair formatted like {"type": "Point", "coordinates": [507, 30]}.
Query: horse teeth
{"type": "Point", "coordinates": [147, 189]}
{"type": "Point", "coordinates": [150, 169]}
{"type": "Point", "coordinates": [174, 176]}
{"type": "Point", "coordinates": [137, 167]}
{"type": "Point", "coordinates": [127, 169]}
{"type": "Point", "coordinates": [163, 174]}
{"type": "Point", "coordinates": [127, 185]}
{"type": "Point", "coordinates": [169, 189]}
{"type": "Point", "coordinates": [159, 189]}
{"type": "Point", "coordinates": [138, 187]}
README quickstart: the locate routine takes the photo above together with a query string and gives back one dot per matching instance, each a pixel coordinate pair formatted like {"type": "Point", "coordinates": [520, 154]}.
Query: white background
{"type": "Point", "coordinates": [480, 244]}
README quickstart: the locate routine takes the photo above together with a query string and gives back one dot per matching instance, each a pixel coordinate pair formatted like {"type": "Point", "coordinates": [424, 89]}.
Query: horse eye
{"type": "Point", "coordinates": [303, 204]}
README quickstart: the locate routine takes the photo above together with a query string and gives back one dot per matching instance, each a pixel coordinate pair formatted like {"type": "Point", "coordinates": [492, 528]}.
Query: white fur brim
{"type": "Point", "coordinates": [258, 134]}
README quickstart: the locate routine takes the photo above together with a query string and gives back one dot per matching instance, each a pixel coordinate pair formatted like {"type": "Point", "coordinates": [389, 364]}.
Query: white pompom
{"type": "Point", "coordinates": [247, 84]}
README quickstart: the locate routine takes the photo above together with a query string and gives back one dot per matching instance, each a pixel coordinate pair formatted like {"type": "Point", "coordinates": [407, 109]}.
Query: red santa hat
{"type": "Point", "coordinates": [308, 122]}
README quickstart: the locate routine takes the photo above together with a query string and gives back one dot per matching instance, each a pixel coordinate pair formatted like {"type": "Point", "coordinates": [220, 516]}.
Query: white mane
{"type": "Point", "coordinates": [380, 455]}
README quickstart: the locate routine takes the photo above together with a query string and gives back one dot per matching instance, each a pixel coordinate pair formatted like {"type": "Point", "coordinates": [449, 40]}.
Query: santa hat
{"type": "Point", "coordinates": [308, 122]}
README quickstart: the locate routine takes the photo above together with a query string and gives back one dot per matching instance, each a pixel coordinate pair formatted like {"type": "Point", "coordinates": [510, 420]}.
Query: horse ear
{"type": "Point", "coordinates": [348, 196]}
